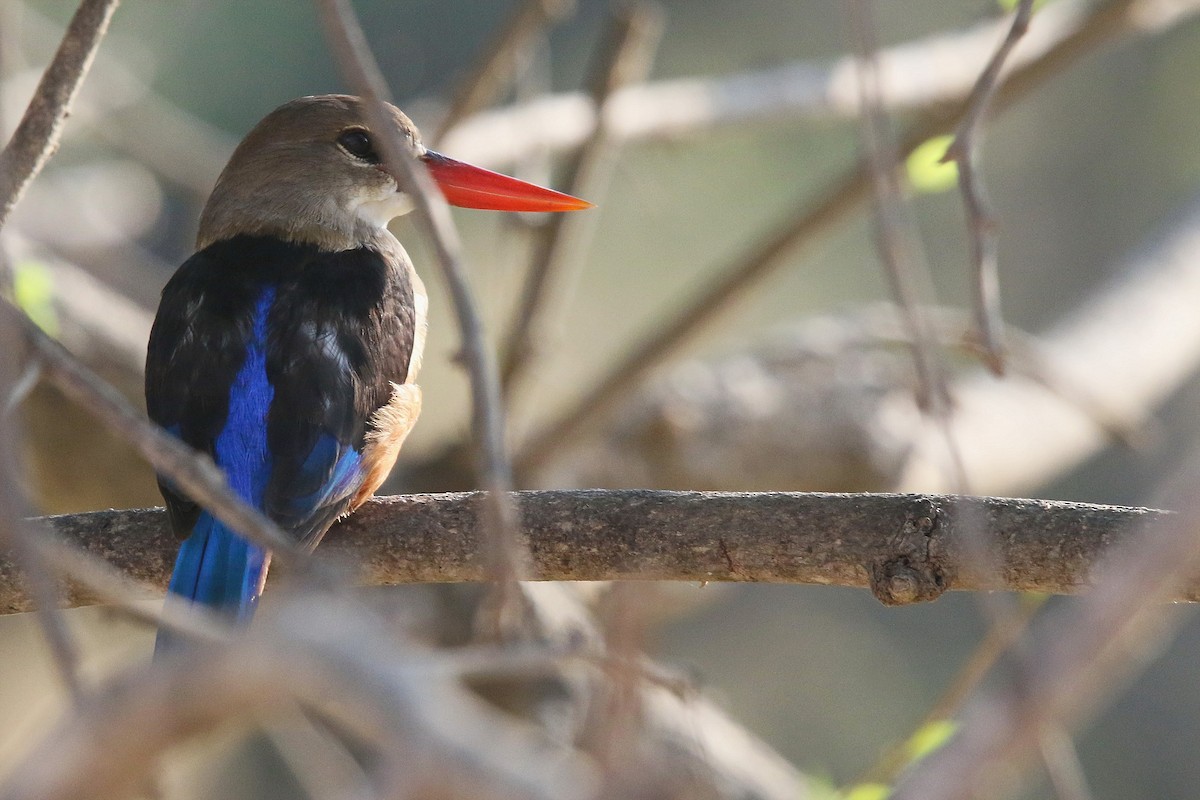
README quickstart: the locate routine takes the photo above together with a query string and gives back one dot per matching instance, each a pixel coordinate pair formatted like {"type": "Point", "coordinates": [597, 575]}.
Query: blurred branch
{"type": "Point", "coordinates": [126, 111]}
{"type": "Point", "coordinates": [37, 135]}
{"type": "Point", "coordinates": [334, 658]}
{"type": "Point", "coordinates": [906, 548]}
{"type": "Point", "coordinates": [625, 57]}
{"type": "Point", "coordinates": [982, 227]}
{"type": "Point", "coordinates": [1123, 352]}
{"type": "Point", "coordinates": [1081, 653]}
{"type": "Point", "coordinates": [353, 55]}
{"type": "Point", "coordinates": [917, 75]}
{"type": "Point", "coordinates": [192, 472]}
{"type": "Point", "coordinates": [495, 67]}
{"type": "Point", "coordinates": [804, 224]}
{"type": "Point", "coordinates": [16, 531]}
{"type": "Point", "coordinates": [906, 273]}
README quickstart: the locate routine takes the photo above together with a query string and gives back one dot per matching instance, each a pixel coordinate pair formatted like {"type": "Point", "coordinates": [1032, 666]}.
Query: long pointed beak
{"type": "Point", "coordinates": [474, 187]}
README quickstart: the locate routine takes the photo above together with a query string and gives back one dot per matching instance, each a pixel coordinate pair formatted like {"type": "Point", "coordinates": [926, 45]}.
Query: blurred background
{"type": "Point", "coordinates": [1084, 173]}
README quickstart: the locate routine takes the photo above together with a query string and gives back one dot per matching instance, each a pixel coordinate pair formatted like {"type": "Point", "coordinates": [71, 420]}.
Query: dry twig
{"type": "Point", "coordinates": [495, 67]}
{"type": "Point", "coordinates": [350, 48]}
{"type": "Point", "coordinates": [623, 59]}
{"type": "Point", "coordinates": [37, 135]}
{"type": "Point", "coordinates": [1080, 652]}
{"type": "Point", "coordinates": [981, 223]}
{"type": "Point", "coordinates": [896, 242]}
{"type": "Point", "coordinates": [803, 225]}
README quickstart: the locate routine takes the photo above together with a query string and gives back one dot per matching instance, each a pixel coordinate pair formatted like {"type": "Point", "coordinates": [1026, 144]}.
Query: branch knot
{"type": "Point", "coordinates": [908, 573]}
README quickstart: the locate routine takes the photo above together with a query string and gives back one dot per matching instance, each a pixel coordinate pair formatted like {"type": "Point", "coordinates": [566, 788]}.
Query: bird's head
{"type": "Point", "coordinates": [311, 172]}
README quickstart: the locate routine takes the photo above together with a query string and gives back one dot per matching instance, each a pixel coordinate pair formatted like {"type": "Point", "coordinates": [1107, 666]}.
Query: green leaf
{"type": "Point", "coordinates": [929, 737]}
{"type": "Point", "coordinates": [867, 791]}
{"type": "Point", "coordinates": [1011, 5]}
{"type": "Point", "coordinates": [33, 292]}
{"type": "Point", "coordinates": [926, 172]}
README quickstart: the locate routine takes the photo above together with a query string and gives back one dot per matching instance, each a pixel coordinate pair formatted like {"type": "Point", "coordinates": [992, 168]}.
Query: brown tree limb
{"type": "Point", "coordinates": [37, 135]}
{"type": "Point", "coordinates": [906, 548]}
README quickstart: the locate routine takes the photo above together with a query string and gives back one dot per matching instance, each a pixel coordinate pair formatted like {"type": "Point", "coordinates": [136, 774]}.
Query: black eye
{"type": "Point", "coordinates": [357, 143]}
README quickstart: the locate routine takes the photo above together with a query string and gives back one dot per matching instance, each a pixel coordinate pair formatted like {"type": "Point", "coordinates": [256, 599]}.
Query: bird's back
{"type": "Point", "coordinates": [276, 359]}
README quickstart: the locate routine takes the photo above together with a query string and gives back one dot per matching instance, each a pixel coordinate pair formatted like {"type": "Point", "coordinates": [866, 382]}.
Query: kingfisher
{"type": "Point", "coordinates": [287, 347]}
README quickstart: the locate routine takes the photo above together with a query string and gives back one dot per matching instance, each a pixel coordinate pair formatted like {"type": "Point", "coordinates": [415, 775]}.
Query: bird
{"type": "Point", "coordinates": [287, 346]}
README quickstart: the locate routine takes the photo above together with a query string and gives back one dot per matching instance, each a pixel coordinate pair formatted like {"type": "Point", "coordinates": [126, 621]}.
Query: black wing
{"type": "Point", "coordinates": [339, 331]}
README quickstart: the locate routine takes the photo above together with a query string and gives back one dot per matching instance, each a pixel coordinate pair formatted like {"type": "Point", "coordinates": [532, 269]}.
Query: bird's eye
{"type": "Point", "coordinates": [357, 143]}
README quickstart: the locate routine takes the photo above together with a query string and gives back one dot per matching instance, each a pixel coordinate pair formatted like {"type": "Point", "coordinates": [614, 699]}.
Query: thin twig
{"type": "Point", "coordinates": [997, 641]}
{"type": "Point", "coordinates": [353, 55]}
{"type": "Point", "coordinates": [906, 275]}
{"type": "Point", "coordinates": [624, 58]}
{"type": "Point", "coordinates": [802, 225]}
{"type": "Point", "coordinates": [495, 67]}
{"type": "Point", "coordinates": [981, 222]}
{"type": "Point", "coordinates": [1083, 651]}
{"type": "Point", "coordinates": [37, 135]}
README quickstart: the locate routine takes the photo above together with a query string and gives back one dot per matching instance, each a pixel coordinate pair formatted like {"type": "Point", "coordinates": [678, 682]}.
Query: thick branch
{"type": "Point", "coordinates": [906, 548]}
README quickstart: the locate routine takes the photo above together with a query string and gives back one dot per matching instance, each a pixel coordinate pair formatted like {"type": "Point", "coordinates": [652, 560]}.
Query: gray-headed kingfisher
{"type": "Point", "coordinates": [287, 347]}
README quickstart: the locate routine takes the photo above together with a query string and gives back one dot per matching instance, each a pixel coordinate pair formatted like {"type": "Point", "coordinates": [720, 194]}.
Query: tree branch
{"type": "Point", "coordinates": [920, 74]}
{"type": "Point", "coordinates": [348, 45]}
{"type": "Point", "coordinates": [803, 224]}
{"type": "Point", "coordinates": [906, 548]}
{"type": "Point", "coordinates": [37, 135]}
{"type": "Point", "coordinates": [494, 69]}
{"type": "Point", "coordinates": [980, 222]}
{"type": "Point", "coordinates": [624, 57]}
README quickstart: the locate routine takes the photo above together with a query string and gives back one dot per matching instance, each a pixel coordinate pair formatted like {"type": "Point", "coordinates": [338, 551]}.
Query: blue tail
{"type": "Point", "coordinates": [219, 569]}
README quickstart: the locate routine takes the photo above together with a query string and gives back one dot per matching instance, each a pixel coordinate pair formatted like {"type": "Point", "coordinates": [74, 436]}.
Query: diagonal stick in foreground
{"type": "Point", "coordinates": [350, 49]}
